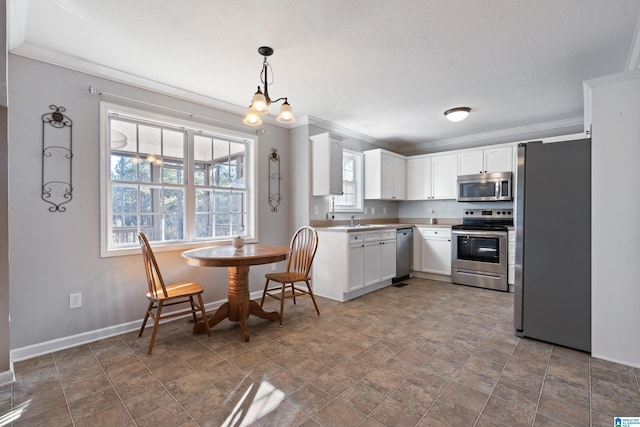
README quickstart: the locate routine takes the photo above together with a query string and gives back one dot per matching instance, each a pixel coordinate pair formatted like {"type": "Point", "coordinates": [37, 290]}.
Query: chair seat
{"type": "Point", "coordinates": [287, 277]}
{"type": "Point", "coordinates": [303, 248]}
{"type": "Point", "coordinates": [178, 290]}
{"type": "Point", "coordinates": [179, 293]}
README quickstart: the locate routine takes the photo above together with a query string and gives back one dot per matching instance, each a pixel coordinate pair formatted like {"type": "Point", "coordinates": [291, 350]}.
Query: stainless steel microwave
{"type": "Point", "coordinates": [485, 187]}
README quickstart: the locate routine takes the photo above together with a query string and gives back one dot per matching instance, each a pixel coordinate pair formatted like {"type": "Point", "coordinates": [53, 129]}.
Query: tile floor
{"type": "Point", "coordinates": [426, 354]}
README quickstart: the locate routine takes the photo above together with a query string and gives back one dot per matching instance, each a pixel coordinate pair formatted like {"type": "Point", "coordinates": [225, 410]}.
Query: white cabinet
{"type": "Point", "coordinates": [444, 177]}
{"type": "Point", "coordinates": [419, 178]}
{"type": "Point", "coordinates": [384, 175]}
{"type": "Point", "coordinates": [350, 264]}
{"type": "Point", "coordinates": [326, 165]}
{"type": "Point", "coordinates": [485, 161]}
{"type": "Point", "coordinates": [355, 261]}
{"type": "Point", "coordinates": [379, 256]}
{"type": "Point", "coordinates": [431, 177]}
{"type": "Point", "coordinates": [388, 255]}
{"type": "Point", "coordinates": [433, 246]}
{"type": "Point", "coordinates": [371, 263]}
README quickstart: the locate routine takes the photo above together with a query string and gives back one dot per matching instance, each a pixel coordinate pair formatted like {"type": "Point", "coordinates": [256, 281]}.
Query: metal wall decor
{"type": "Point", "coordinates": [57, 154]}
{"type": "Point", "coordinates": [274, 175]}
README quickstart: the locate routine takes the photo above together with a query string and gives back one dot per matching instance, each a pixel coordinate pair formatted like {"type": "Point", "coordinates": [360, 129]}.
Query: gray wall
{"type": "Point", "coordinates": [299, 182]}
{"type": "Point", "coordinates": [324, 202]}
{"type": "Point", "coordinates": [4, 203]}
{"type": "Point", "coordinates": [54, 254]}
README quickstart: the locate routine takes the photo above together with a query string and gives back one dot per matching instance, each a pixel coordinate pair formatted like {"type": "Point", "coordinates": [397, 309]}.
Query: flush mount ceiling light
{"type": "Point", "coordinates": [261, 101]}
{"type": "Point", "coordinates": [457, 114]}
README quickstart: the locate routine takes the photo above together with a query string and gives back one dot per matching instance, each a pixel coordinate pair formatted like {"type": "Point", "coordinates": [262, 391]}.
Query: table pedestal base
{"type": "Point", "coordinates": [239, 307]}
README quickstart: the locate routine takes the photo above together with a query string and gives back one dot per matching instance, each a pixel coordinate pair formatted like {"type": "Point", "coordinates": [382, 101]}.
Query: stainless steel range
{"type": "Point", "coordinates": [479, 248]}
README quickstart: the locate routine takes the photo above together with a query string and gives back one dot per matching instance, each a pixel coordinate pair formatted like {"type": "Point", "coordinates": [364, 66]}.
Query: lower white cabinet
{"type": "Point", "coordinates": [350, 264]}
{"type": "Point", "coordinates": [371, 263]}
{"type": "Point", "coordinates": [432, 252]}
{"type": "Point", "coordinates": [355, 260]}
{"type": "Point", "coordinates": [388, 256]}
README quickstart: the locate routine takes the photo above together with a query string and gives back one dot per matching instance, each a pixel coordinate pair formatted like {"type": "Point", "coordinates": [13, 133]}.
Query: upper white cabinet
{"type": "Point", "coordinates": [431, 177]}
{"type": "Point", "coordinates": [419, 178]}
{"type": "Point", "coordinates": [384, 175]}
{"type": "Point", "coordinates": [485, 161]}
{"type": "Point", "coordinates": [444, 177]}
{"type": "Point", "coordinates": [326, 152]}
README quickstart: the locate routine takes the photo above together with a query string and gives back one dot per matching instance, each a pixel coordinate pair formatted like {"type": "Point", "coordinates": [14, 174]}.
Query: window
{"type": "Point", "coordinates": [178, 182]}
{"type": "Point", "coordinates": [351, 198]}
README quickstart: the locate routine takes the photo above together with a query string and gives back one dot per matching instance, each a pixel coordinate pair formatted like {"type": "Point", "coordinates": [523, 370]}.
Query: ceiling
{"type": "Point", "coordinates": [387, 69]}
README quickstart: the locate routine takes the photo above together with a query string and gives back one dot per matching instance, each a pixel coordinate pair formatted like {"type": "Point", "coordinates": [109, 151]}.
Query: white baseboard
{"type": "Point", "coordinates": [631, 363]}
{"type": "Point", "coordinates": [35, 350]}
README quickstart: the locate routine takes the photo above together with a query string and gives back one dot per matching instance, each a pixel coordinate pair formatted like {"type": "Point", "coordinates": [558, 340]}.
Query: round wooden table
{"type": "Point", "coordinates": [239, 306]}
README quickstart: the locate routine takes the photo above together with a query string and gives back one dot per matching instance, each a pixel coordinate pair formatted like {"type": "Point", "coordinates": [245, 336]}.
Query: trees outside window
{"type": "Point", "coordinates": [175, 183]}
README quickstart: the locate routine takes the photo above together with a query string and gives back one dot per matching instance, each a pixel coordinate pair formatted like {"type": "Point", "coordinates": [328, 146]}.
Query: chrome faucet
{"type": "Point", "coordinates": [353, 218]}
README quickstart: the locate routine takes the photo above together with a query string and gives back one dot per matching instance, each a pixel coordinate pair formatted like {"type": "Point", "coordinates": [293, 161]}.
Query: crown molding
{"type": "Point", "coordinates": [87, 67]}
{"type": "Point", "coordinates": [349, 133]}
{"type": "Point", "coordinates": [540, 130]}
{"type": "Point", "coordinates": [633, 62]}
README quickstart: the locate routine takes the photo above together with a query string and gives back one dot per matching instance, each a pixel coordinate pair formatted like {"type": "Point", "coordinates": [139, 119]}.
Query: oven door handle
{"type": "Point", "coordinates": [480, 233]}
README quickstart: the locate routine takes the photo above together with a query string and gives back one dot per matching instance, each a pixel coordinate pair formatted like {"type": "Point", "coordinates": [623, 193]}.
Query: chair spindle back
{"type": "Point", "coordinates": [303, 249]}
{"type": "Point", "coordinates": [154, 278]}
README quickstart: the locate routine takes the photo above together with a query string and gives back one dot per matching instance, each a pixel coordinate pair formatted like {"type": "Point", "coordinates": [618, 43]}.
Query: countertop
{"type": "Point", "coordinates": [365, 227]}
{"type": "Point", "coordinates": [344, 226]}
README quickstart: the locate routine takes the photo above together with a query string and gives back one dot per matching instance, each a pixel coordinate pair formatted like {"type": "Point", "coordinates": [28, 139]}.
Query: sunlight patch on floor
{"type": "Point", "coordinates": [14, 414]}
{"type": "Point", "coordinates": [256, 402]}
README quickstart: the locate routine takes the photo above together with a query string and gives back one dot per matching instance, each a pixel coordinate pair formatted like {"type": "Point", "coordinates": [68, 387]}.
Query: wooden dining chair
{"type": "Point", "coordinates": [161, 295]}
{"type": "Point", "coordinates": [303, 249]}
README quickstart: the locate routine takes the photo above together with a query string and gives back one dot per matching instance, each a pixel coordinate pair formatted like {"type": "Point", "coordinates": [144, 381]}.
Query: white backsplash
{"type": "Point", "coordinates": [444, 208]}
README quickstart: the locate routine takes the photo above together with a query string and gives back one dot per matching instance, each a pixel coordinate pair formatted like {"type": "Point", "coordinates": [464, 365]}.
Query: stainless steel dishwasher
{"type": "Point", "coordinates": [404, 253]}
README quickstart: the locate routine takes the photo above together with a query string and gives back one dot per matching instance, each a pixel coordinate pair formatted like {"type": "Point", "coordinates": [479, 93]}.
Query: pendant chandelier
{"type": "Point", "coordinates": [261, 101]}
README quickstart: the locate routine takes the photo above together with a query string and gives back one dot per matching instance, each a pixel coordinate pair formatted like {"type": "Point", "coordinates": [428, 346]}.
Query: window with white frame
{"type": "Point", "coordinates": [351, 198]}
{"type": "Point", "coordinates": [176, 181]}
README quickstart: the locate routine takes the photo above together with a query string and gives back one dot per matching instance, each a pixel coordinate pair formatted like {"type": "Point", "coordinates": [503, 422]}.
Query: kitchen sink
{"type": "Point", "coordinates": [346, 227]}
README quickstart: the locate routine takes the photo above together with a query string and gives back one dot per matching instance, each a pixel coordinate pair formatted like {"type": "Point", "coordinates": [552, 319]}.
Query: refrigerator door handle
{"type": "Point", "coordinates": [519, 223]}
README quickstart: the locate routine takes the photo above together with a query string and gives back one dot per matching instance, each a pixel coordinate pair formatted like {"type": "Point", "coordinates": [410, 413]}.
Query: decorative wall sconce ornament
{"type": "Point", "coordinates": [274, 175]}
{"type": "Point", "coordinates": [57, 155]}
{"type": "Point", "coordinates": [260, 102]}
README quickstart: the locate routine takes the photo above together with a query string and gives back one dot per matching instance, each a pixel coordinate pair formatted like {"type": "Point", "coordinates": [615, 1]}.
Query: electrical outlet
{"type": "Point", "coordinates": [373, 210]}
{"type": "Point", "coordinates": [75, 300]}
{"type": "Point", "coordinates": [273, 266]}
{"type": "Point", "coordinates": [384, 210]}
{"type": "Point", "coordinates": [316, 210]}
{"type": "Point", "coordinates": [366, 210]}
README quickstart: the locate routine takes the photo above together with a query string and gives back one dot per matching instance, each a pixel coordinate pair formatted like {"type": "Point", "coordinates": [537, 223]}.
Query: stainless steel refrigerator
{"type": "Point", "coordinates": [553, 243]}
